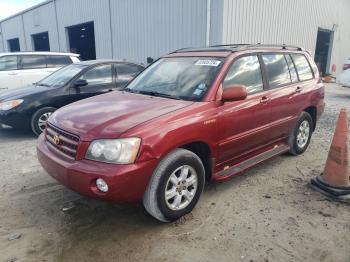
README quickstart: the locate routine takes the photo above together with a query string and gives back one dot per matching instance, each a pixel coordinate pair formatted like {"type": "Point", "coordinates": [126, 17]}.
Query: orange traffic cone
{"type": "Point", "coordinates": [335, 178]}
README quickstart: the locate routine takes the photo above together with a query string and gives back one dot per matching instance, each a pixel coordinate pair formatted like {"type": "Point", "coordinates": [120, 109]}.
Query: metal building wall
{"type": "Point", "coordinates": [155, 27]}
{"type": "Point", "coordinates": [39, 20]}
{"type": "Point", "coordinates": [136, 29]}
{"type": "Point", "coordinates": [287, 21]}
{"type": "Point", "coordinates": [74, 12]}
{"type": "Point", "coordinates": [13, 28]}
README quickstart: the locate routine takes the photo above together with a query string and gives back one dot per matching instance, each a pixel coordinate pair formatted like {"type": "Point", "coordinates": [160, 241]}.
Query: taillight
{"type": "Point", "coordinates": [346, 66]}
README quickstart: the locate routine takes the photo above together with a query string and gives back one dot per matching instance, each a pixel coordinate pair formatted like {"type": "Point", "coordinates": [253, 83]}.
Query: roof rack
{"type": "Point", "coordinates": [235, 47]}
{"type": "Point", "coordinates": [283, 46]}
{"type": "Point", "coordinates": [244, 46]}
{"type": "Point", "coordinates": [203, 49]}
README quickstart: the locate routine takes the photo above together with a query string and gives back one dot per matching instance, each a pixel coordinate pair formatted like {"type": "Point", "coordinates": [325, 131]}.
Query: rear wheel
{"type": "Point", "coordinates": [39, 119]}
{"type": "Point", "coordinates": [175, 186]}
{"type": "Point", "coordinates": [300, 137]}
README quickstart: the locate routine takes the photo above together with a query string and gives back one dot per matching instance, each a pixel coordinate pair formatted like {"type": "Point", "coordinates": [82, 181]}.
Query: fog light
{"type": "Point", "coordinates": [101, 185]}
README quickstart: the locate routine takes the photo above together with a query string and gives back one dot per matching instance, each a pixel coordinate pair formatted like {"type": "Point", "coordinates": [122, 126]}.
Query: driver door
{"type": "Point", "coordinates": [244, 124]}
{"type": "Point", "coordinates": [100, 79]}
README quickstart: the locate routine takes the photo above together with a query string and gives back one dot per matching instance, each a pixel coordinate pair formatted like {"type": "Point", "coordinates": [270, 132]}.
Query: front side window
{"type": "Point", "coordinates": [277, 69]}
{"type": "Point", "coordinates": [8, 63]}
{"type": "Point", "coordinates": [303, 67]}
{"type": "Point", "coordinates": [245, 71]}
{"type": "Point", "coordinates": [33, 62]}
{"type": "Point", "coordinates": [186, 78]}
{"type": "Point", "coordinates": [62, 76]}
{"type": "Point", "coordinates": [99, 75]}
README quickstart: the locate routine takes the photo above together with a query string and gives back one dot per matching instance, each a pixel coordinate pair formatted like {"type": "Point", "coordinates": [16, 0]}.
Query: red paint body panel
{"type": "Point", "coordinates": [233, 131]}
{"type": "Point", "coordinates": [127, 183]}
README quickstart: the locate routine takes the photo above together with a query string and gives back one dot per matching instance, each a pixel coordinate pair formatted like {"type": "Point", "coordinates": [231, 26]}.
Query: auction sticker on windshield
{"type": "Point", "coordinates": [208, 62]}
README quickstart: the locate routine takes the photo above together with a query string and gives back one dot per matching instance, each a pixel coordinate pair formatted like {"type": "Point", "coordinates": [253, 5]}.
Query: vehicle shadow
{"type": "Point", "coordinates": [9, 133]}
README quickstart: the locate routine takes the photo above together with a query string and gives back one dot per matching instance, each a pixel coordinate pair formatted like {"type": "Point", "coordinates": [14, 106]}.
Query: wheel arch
{"type": "Point", "coordinates": [203, 151]}
{"type": "Point", "coordinates": [312, 110]}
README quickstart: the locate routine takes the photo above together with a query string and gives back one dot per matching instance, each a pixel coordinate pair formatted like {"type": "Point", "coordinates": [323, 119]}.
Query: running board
{"type": "Point", "coordinates": [275, 151]}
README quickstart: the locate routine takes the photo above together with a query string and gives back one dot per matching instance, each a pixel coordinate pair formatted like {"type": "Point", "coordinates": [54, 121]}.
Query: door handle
{"type": "Point", "coordinates": [298, 89]}
{"type": "Point", "coordinates": [12, 74]}
{"type": "Point", "coordinates": [264, 100]}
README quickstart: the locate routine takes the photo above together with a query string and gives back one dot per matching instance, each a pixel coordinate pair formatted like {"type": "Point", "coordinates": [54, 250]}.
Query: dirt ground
{"type": "Point", "coordinates": [267, 214]}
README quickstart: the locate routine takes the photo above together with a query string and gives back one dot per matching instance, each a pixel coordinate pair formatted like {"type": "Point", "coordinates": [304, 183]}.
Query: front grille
{"type": "Point", "coordinates": [62, 141]}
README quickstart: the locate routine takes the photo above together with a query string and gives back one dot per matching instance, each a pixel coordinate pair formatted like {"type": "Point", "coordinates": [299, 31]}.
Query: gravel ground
{"type": "Point", "coordinates": [267, 214]}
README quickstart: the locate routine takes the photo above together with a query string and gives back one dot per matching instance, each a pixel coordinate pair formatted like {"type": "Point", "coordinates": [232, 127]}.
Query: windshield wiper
{"type": "Point", "coordinates": [153, 93]}
{"type": "Point", "coordinates": [41, 84]}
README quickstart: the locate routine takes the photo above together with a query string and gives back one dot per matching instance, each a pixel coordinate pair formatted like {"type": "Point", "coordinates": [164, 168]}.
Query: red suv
{"type": "Point", "coordinates": [192, 116]}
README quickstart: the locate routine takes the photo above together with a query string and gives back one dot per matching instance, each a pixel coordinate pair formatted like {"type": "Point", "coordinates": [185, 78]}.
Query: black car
{"type": "Point", "coordinates": [31, 106]}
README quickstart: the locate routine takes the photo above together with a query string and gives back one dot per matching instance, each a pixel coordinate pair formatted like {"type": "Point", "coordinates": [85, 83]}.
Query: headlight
{"type": "Point", "coordinates": [10, 104]}
{"type": "Point", "coordinates": [116, 151]}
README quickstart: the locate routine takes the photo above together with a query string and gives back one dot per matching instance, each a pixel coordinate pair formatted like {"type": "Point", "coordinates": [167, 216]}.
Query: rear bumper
{"type": "Point", "coordinates": [127, 183]}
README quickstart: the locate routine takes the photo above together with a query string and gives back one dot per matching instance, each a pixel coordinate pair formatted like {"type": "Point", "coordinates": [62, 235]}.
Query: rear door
{"type": "Point", "coordinates": [285, 92]}
{"type": "Point", "coordinates": [9, 77]}
{"type": "Point", "coordinates": [244, 125]}
{"type": "Point", "coordinates": [100, 80]}
{"type": "Point", "coordinates": [125, 73]}
{"type": "Point", "coordinates": [32, 68]}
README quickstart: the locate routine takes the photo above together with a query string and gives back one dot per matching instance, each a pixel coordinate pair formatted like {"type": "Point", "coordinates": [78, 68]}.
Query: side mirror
{"type": "Point", "coordinates": [80, 83]}
{"type": "Point", "coordinates": [234, 93]}
{"type": "Point", "coordinates": [150, 60]}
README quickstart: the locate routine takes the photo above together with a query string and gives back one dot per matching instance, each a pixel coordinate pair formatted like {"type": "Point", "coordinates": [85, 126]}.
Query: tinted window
{"type": "Point", "coordinates": [127, 69]}
{"type": "Point", "coordinates": [276, 69]}
{"type": "Point", "coordinates": [8, 63]}
{"type": "Point", "coordinates": [303, 67]}
{"type": "Point", "coordinates": [99, 75]}
{"type": "Point", "coordinates": [62, 76]}
{"type": "Point", "coordinates": [292, 70]}
{"type": "Point", "coordinates": [58, 61]}
{"type": "Point", "coordinates": [33, 62]}
{"type": "Point", "coordinates": [245, 71]}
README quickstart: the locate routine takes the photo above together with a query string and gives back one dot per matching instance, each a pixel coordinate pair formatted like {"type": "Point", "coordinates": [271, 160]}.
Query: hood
{"type": "Point", "coordinates": [110, 115]}
{"type": "Point", "coordinates": [22, 92]}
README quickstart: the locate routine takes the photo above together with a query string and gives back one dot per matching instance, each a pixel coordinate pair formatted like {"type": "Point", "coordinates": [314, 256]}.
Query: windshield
{"type": "Point", "coordinates": [187, 78]}
{"type": "Point", "coordinates": [62, 76]}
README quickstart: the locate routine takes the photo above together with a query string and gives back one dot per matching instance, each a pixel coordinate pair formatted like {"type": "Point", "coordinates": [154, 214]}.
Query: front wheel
{"type": "Point", "coordinates": [175, 186]}
{"type": "Point", "coordinates": [300, 137]}
{"type": "Point", "coordinates": [39, 119]}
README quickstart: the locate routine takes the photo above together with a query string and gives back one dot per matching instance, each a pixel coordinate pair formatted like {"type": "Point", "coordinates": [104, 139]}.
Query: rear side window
{"type": "Point", "coordinates": [8, 63]}
{"type": "Point", "coordinates": [303, 67]}
{"type": "Point", "coordinates": [276, 69]}
{"type": "Point", "coordinates": [33, 61]}
{"type": "Point", "coordinates": [99, 75]}
{"type": "Point", "coordinates": [245, 71]}
{"type": "Point", "coordinates": [58, 61]}
{"type": "Point", "coordinates": [292, 70]}
{"type": "Point", "coordinates": [128, 69]}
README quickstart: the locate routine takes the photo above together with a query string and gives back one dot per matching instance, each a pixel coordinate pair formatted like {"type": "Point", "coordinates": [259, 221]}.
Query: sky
{"type": "Point", "coordinates": [11, 7]}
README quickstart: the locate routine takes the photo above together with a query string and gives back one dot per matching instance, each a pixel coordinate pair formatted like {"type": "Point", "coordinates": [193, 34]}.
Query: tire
{"type": "Point", "coordinates": [41, 115]}
{"type": "Point", "coordinates": [174, 164]}
{"type": "Point", "coordinates": [298, 145]}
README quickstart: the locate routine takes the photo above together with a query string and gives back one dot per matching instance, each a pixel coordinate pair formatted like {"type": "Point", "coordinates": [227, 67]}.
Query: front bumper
{"type": "Point", "coordinates": [14, 119]}
{"type": "Point", "coordinates": [127, 183]}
